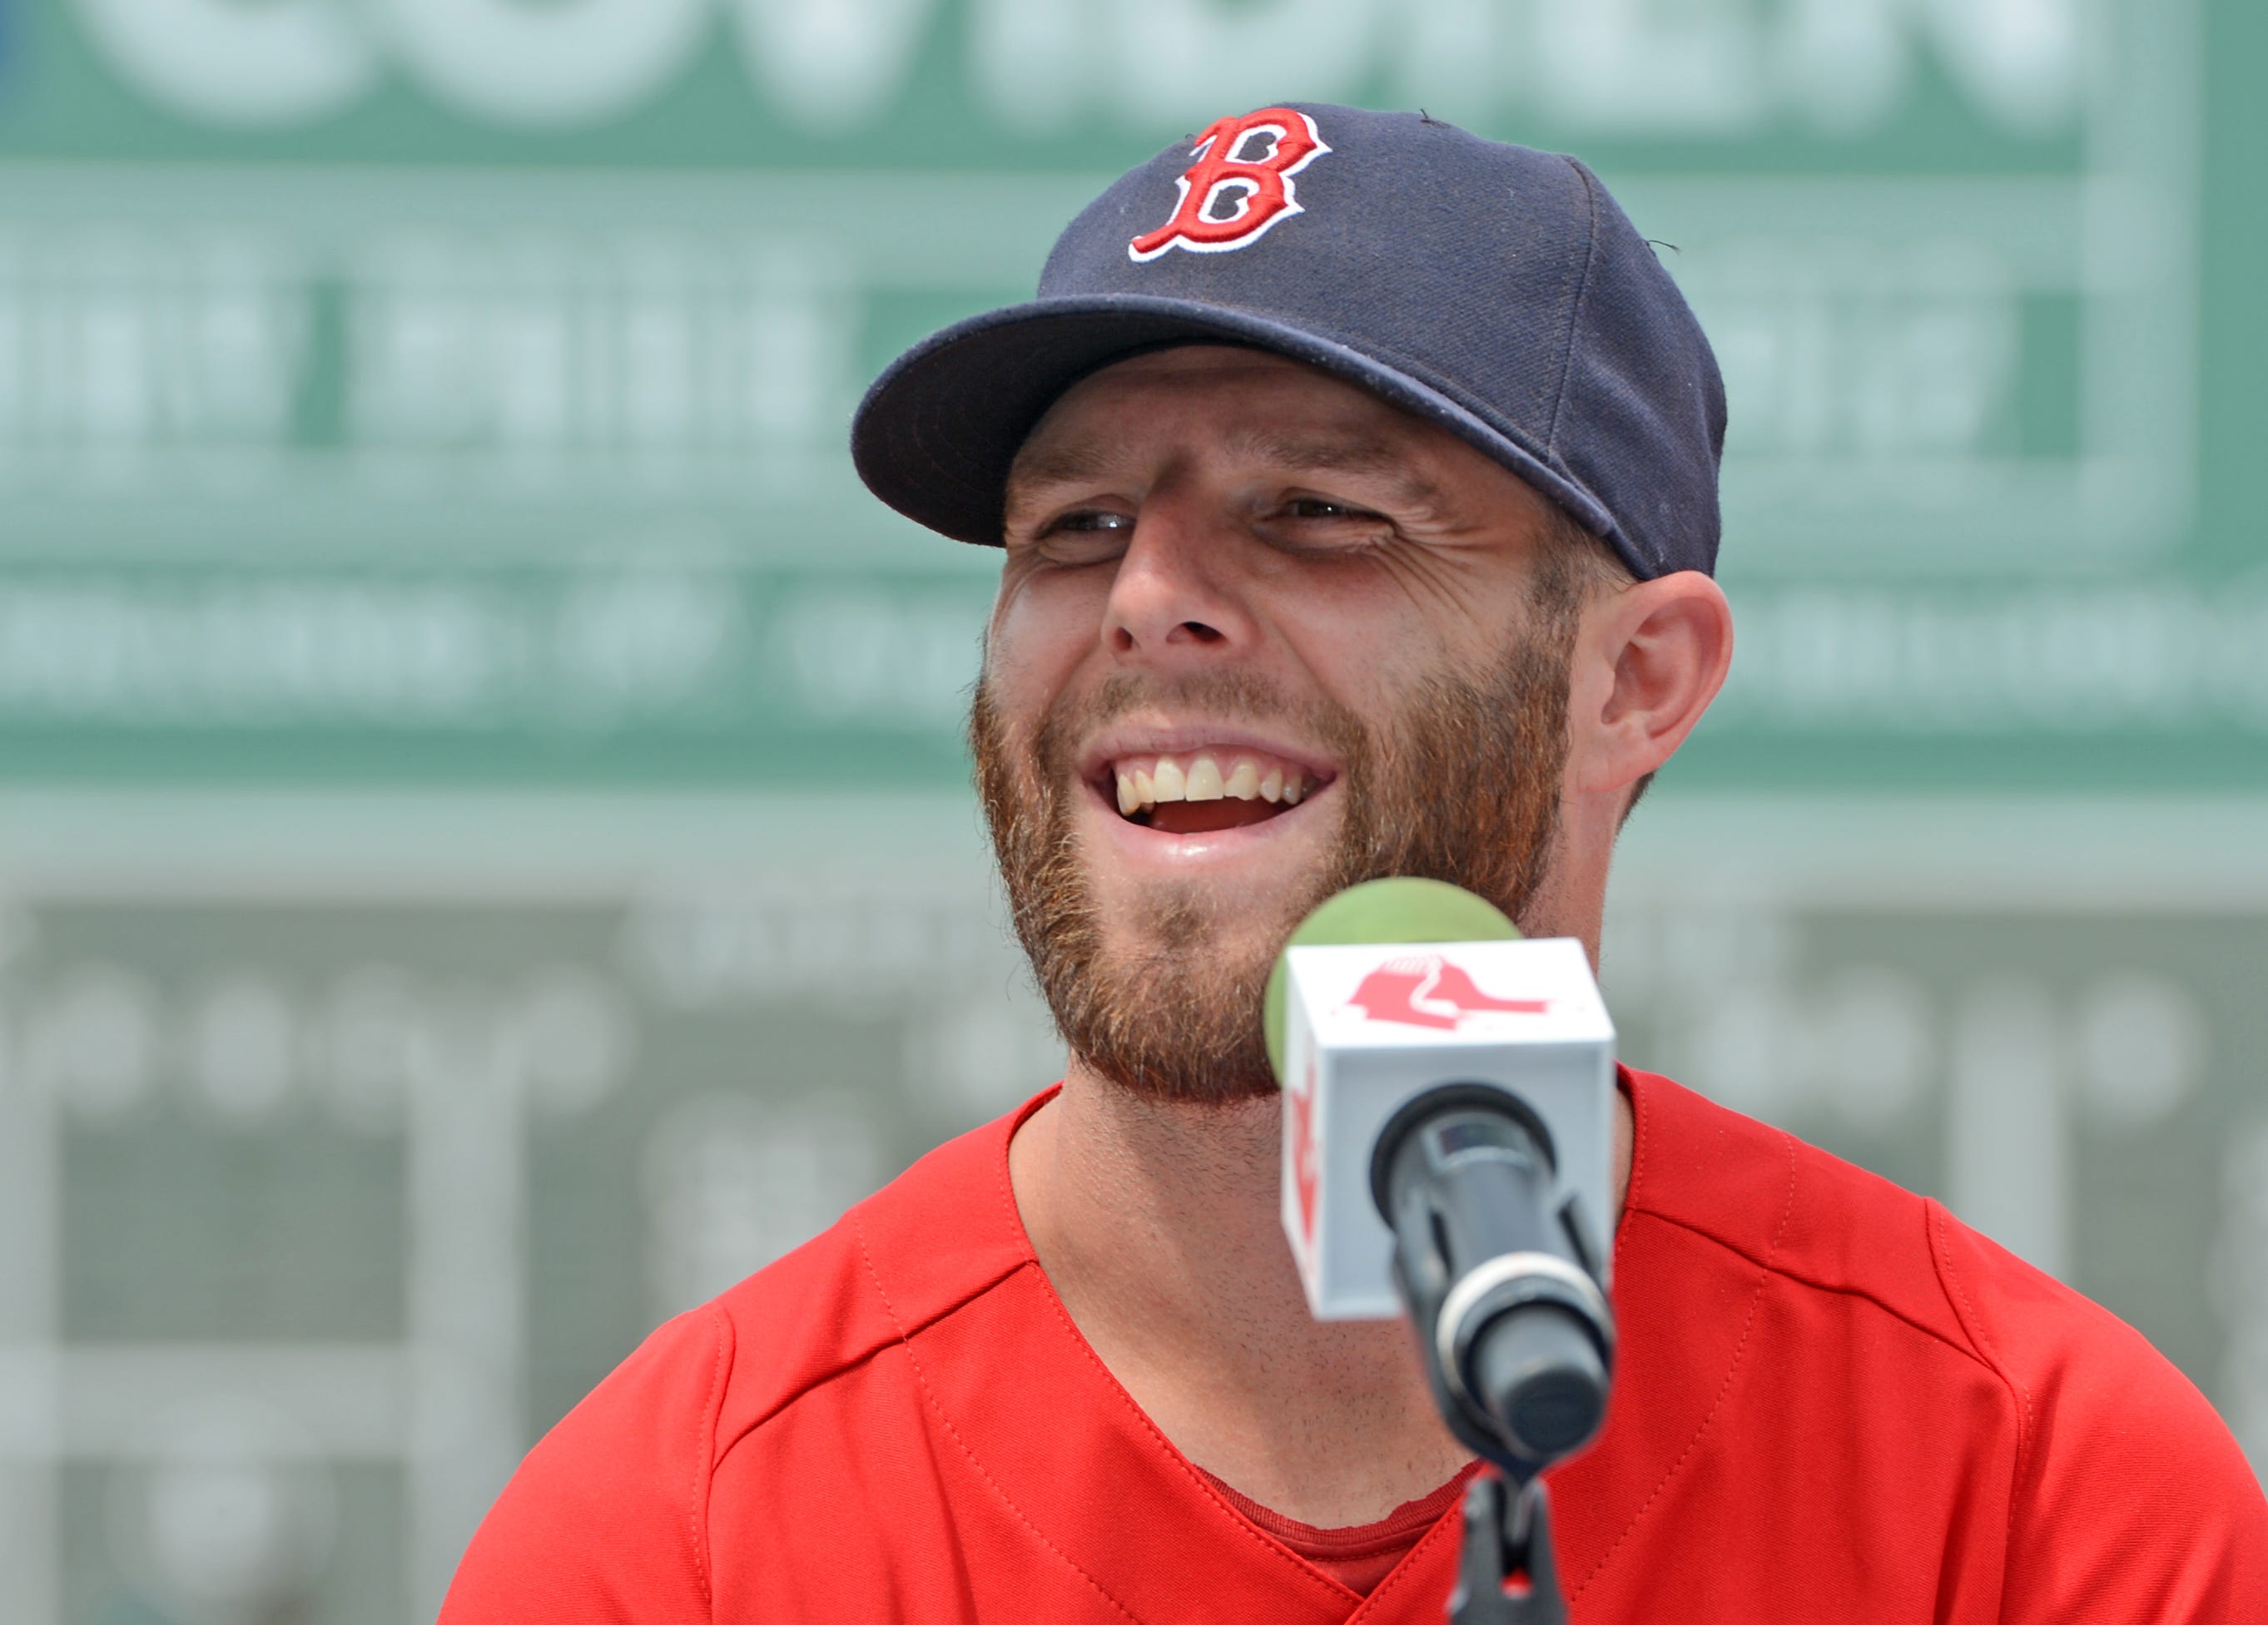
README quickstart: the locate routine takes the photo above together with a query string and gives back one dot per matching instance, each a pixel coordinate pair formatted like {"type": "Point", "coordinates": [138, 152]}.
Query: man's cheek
{"type": "Point", "coordinates": [1036, 637]}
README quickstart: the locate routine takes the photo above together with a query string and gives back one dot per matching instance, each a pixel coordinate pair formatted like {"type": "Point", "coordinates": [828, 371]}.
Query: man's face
{"type": "Point", "coordinates": [1259, 636]}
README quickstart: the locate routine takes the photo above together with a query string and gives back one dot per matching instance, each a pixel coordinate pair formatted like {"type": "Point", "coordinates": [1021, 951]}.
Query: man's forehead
{"type": "Point", "coordinates": [1315, 420]}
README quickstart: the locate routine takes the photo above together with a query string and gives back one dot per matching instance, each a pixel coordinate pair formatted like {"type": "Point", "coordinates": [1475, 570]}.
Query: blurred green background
{"type": "Point", "coordinates": [485, 857]}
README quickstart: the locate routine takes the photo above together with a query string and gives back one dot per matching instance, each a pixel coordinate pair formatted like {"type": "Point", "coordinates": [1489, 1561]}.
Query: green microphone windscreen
{"type": "Point", "coordinates": [1400, 909]}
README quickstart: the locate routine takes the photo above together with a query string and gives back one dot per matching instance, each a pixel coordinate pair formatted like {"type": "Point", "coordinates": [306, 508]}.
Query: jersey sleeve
{"type": "Point", "coordinates": [607, 1520]}
{"type": "Point", "coordinates": [2133, 1504]}
{"type": "Point", "coordinates": [2139, 1508]}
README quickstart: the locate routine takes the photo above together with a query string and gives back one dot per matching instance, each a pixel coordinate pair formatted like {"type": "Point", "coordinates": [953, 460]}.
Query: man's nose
{"type": "Point", "coordinates": [1176, 594]}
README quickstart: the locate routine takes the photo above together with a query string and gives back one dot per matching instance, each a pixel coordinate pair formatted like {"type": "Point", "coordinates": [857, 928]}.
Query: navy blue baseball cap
{"type": "Point", "coordinates": [1493, 289]}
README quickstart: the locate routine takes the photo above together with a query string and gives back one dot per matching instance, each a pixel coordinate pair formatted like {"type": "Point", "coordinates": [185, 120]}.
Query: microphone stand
{"type": "Point", "coordinates": [1506, 1575]}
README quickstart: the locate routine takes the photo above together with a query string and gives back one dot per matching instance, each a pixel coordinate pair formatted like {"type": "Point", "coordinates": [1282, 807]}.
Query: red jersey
{"type": "Point", "coordinates": [1831, 1401]}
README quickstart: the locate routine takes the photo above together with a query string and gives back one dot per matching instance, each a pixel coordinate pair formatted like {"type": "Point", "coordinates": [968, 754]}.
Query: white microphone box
{"type": "Point", "coordinates": [1369, 1026]}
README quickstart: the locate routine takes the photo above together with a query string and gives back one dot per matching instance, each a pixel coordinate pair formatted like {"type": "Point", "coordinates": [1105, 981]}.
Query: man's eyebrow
{"type": "Point", "coordinates": [1064, 463]}
{"type": "Point", "coordinates": [1370, 455]}
{"type": "Point", "coordinates": [1075, 462]}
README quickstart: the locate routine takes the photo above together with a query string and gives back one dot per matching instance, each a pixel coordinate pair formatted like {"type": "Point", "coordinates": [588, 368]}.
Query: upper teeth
{"type": "Point", "coordinates": [1199, 778]}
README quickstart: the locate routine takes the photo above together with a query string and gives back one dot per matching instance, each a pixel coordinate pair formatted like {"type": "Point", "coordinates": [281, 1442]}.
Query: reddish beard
{"type": "Point", "coordinates": [1461, 784]}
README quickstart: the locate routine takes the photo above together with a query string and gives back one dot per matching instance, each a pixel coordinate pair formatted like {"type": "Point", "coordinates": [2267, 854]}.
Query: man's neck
{"type": "Point", "coordinates": [1158, 1226]}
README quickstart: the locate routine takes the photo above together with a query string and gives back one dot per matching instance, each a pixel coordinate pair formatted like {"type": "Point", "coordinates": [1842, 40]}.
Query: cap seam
{"type": "Point", "coordinates": [1575, 316]}
{"type": "Point", "coordinates": [1643, 557]}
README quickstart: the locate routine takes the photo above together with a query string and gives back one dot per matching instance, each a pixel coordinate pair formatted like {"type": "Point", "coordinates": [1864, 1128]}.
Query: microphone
{"type": "Point", "coordinates": [1448, 1134]}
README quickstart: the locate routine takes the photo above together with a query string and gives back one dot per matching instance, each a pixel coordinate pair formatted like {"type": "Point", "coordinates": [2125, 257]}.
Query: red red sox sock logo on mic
{"type": "Point", "coordinates": [1427, 991]}
{"type": "Point", "coordinates": [1306, 1171]}
{"type": "Point", "coordinates": [1232, 172]}
{"type": "Point", "coordinates": [1411, 989]}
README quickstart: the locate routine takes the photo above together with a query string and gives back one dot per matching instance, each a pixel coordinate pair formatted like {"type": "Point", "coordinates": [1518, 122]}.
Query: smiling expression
{"type": "Point", "coordinates": [1259, 635]}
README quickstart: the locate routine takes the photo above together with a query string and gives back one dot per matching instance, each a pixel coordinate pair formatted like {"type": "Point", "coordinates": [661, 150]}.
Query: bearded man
{"type": "Point", "coordinates": [1357, 482]}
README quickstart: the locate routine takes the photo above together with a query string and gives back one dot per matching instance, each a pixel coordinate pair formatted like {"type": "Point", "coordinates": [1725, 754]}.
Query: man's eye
{"type": "Point", "coordinates": [1076, 536]}
{"type": "Point", "coordinates": [1101, 520]}
{"type": "Point", "coordinates": [1323, 508]}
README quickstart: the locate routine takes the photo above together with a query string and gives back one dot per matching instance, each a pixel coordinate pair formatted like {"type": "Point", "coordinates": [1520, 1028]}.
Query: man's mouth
{"type": "Point", "coordinates": [1193, 792]}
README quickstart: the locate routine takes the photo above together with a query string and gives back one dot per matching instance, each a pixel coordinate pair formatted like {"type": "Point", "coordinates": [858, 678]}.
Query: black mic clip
{"type": "Point", "coordinates": [1506, 1575]}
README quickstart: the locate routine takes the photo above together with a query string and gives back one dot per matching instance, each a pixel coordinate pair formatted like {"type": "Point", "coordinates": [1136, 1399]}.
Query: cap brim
{"type": "Point", "coordinates": [936, 434]}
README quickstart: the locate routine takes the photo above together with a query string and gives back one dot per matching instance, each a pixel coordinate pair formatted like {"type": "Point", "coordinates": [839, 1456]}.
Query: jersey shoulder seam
{"type": "Point", "coordinates": [1972, 1322]}
{"type": "Point", "coordinates": [1799, 1278]}
{"type": "Point", "coordinates": [905, 1332]}
{"type": "Point", "coordinates": [704, 1451]}
{"type": "Point", "coordinates": [882, 1342]}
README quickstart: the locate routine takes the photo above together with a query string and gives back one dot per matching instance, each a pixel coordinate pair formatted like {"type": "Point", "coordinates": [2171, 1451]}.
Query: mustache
{"type": "Point", "coordinates": [1225, 697]}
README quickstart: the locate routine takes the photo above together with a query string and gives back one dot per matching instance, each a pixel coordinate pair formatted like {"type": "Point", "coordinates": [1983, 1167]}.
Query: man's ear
{"type": "Point", "coordinates": [1648, 659]}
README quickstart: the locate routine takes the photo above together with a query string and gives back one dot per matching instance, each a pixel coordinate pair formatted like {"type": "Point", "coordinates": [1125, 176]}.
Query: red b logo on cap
{"type": "Point", "coordinates": [1239, 185]}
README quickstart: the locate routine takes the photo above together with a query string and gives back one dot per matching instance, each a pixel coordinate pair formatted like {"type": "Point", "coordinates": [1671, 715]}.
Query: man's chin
{"type": "Point", "coordinates": [1204, 936]}
{"type": "Point", "coordinates": [1167, 1002]}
